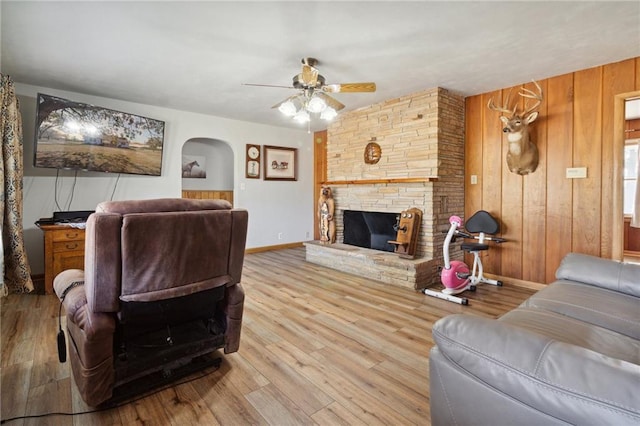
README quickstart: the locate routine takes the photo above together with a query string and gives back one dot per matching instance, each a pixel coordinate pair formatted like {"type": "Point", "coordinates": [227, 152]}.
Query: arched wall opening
{"type": "Point", "coordinates": [207, 169]}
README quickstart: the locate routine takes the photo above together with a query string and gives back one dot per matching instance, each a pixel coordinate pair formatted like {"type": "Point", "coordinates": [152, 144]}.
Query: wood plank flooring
{"type": "Point", "coordinates": [319, 347]}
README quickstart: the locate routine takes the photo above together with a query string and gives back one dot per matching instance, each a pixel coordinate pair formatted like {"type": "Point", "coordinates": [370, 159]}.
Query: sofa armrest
{"type": "Point", "coordinates": [599, 272]}
{"type": "Point", "coordinates": [565, 381]}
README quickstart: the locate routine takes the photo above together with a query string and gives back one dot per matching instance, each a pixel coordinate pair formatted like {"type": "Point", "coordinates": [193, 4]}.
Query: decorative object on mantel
{"type": "Point", "coordinates": [326, 209]}
{"type": "Point", "coordinates": [252, 166]}
{"type": "Point", "coordinates": [311, 97]}
{"type": "Point", "coordinates": [408, 229]}
{"type": "Point", "coordinates": [280, 163]}
{"type": "Point", "coordinates": [372, 152]}
{"type": "Point", "coordinates": [522, 157]}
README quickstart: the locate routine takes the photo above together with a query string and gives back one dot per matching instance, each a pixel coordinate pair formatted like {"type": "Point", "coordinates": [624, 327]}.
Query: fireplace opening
{"type": "Point", "coordinates": [369, 229]}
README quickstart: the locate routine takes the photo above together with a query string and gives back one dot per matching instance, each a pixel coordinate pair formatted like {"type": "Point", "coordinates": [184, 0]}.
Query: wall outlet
{"type": "Point", "coordinates": [308, 234]}
{"type": "Point", "coordinates": [474, 179]}
{"type": "Point", "coordinates": [279, 235]}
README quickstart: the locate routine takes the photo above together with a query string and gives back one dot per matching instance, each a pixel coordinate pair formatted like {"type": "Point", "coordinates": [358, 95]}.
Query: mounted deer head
{"type": "Point", "coordinates": [522, 157]}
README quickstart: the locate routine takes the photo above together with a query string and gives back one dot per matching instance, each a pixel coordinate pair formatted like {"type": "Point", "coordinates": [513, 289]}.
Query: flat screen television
{"type": "Point", "coordinates": [77, 136]}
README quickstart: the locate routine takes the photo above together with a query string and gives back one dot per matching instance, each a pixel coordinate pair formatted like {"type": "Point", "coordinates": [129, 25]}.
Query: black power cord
{"type": "Point", "coordinates": [110, 407]}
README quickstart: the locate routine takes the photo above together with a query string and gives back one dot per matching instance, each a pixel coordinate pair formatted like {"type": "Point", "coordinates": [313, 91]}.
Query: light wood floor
{"type": "Point", "coordinates": [318, 347]}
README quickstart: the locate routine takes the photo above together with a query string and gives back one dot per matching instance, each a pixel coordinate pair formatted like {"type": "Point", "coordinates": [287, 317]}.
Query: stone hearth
{"type": "Point", "coordinates": [377, 265]}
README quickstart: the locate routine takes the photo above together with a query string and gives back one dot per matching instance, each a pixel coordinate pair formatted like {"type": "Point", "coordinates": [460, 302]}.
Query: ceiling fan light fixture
{"type": "Point", "coordinates": [312, 99]}
{"type": "Point", "coordinates": [302, 116]}
{"type": "Point", "coordinates": [316, 105]}
{"type": "Point", "coordinates": [328, 114]}
{"type": "Point", "coordinates": [288, 108]}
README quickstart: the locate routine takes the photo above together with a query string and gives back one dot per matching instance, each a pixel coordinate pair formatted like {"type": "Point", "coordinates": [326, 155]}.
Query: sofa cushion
{"type": "Point", "coordinates": [565, 329]}
{"type": "Point", "coordinates": [605, 273]}
{"type": "Point", "coordinates": [605, 308]}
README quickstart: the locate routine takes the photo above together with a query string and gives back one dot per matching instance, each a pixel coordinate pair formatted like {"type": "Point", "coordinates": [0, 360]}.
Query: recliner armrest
{"type": "Point", "coordinates": [599, 272]}
{"type": "Point", "coordinates": [75, 305]}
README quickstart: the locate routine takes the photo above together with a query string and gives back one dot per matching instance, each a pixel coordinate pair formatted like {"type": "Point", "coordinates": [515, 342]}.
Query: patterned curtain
{"type": "Point", "coordinates": [16, 272]}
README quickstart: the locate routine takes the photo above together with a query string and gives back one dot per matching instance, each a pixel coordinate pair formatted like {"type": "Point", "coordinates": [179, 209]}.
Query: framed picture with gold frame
{"type": "Point", "coordinates": [280, 163]}
{"type": "Point", "coordinates": [252, 163]}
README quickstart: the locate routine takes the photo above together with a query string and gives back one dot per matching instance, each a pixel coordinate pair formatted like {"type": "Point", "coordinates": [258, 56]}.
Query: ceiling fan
{"type": "Point", "coordinates": [312, 93]}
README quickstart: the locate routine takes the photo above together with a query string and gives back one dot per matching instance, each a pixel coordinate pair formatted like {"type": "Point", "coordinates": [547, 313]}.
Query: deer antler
{"type": "Point", "coordinates": [526, 93]}
{"type": "Point", "coordinates": [531, 95]}
{"type": "Point", "coordinates": [504, 109]}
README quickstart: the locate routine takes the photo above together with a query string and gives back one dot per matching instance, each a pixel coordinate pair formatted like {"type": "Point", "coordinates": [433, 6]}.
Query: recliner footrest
{"type": "Point", "coordinates": [161, 378]}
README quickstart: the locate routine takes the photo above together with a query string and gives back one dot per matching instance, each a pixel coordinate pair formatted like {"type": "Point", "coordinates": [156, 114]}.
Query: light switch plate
{"type": "Point", "coordinates": [576, 172]}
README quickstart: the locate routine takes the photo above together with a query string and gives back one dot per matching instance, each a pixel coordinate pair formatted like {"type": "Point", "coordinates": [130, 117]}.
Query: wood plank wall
{"type": "Point", "coordinates": [208, 195]}
{"type": "Point", "coordinates": [545, 215]}
{"type": "Point", "coordinates": [319, 174]}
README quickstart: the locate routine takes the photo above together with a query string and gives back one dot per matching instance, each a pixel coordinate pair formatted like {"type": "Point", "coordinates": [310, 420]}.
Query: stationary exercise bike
{"type": "Point", "coordinates": [455, 275]}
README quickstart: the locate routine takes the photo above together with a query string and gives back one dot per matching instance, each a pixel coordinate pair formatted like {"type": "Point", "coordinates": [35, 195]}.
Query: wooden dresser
{"type": "Point", "coordinates": [63, 249]}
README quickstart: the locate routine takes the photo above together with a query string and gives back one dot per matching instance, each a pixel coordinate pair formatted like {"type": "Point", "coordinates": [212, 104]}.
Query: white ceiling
{"type": "Point", "coordinates": [194, 56]}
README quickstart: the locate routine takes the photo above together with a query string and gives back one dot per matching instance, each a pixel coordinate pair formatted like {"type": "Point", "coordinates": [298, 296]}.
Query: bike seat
{"type": "Point", "coordinates": [482, 221]}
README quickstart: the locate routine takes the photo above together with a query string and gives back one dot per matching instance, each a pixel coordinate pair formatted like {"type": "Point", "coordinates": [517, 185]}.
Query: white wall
{"type": "Point", "coordinates": [274, 206]}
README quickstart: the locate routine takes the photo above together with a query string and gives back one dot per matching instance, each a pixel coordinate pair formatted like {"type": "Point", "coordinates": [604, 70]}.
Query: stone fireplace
{"type": "Point", "coordinates": [371, 230]}
{"type": "Point", "coordinates": [422, 165]}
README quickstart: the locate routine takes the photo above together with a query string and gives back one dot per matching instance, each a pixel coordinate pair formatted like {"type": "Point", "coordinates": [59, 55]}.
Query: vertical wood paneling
{"type": "Point", "coordinates": [511, 217]}
{"type": "Point", "coordinates": [320, 173]}
{"type": "Point", "coordinates": [473, 158]}
{"type": "Point", "coordinates": [208, 195]}
{"type": "Point", "coordinates": [617, 78]}
{"type": "Point", "coordinates": [576, 128]}
{"type": "Point", "coordinates": [587, 152]}
{"type": "Point", "coordinates": [534, 201]}
{"type": "Point", "coordinates": [492, 173]}
{"type": "Point", "coordinates": [559, 157]}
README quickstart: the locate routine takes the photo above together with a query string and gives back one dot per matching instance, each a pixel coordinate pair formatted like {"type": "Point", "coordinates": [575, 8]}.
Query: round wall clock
{"type": "Point", "coordinates": [253, 162]}
{"type": "Point", "coordinates": [372, 153]}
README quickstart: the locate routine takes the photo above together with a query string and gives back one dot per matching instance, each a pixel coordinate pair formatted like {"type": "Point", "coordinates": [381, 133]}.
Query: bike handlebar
{"type": "Point", "coordinates": [462, 234]}
{"type": "Point", "coordinates": [497, 240]}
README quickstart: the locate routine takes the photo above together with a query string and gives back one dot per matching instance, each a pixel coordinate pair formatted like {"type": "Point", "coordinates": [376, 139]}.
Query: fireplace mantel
{"type": "Point", "coordinates": [378, 181]}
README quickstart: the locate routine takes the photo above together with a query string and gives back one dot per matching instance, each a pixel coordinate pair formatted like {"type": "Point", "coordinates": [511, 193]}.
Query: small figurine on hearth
{"type": "Point", "coordinates": [326, 209]}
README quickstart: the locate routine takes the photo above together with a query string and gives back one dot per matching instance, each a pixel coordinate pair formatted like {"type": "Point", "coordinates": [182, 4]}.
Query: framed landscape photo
{"type": "Point", "coordinates": [280, 163]}
{"type": "Point", "coordinates": [78, 136]}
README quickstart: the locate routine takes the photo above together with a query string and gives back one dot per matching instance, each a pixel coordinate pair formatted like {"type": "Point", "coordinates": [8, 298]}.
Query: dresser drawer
{"type": "Point", "coordinates": [63, 249]}
{"type": "Point", "coordinates": [71, 234]}
{"type": "Point", "coordinates": [70, 245]}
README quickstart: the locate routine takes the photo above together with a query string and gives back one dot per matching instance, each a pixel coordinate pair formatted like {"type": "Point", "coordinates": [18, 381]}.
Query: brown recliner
{"type": "Point", "coordinates": [161, 286]}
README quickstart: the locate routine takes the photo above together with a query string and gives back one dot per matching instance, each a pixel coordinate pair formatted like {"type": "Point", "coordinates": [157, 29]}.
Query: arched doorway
{"type": "Point", "coordinates": [207, 169]}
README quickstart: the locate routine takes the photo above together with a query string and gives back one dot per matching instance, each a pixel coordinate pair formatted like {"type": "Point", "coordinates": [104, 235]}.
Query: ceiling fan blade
{"type": "Point", "coordinates": [332, 102]}
{"type": "Point", "coordinates": [350, 87]}
{"type": "Point", "coordinates": [288, 99]}
{"type": "Point", "coordinates": [268, 85]}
